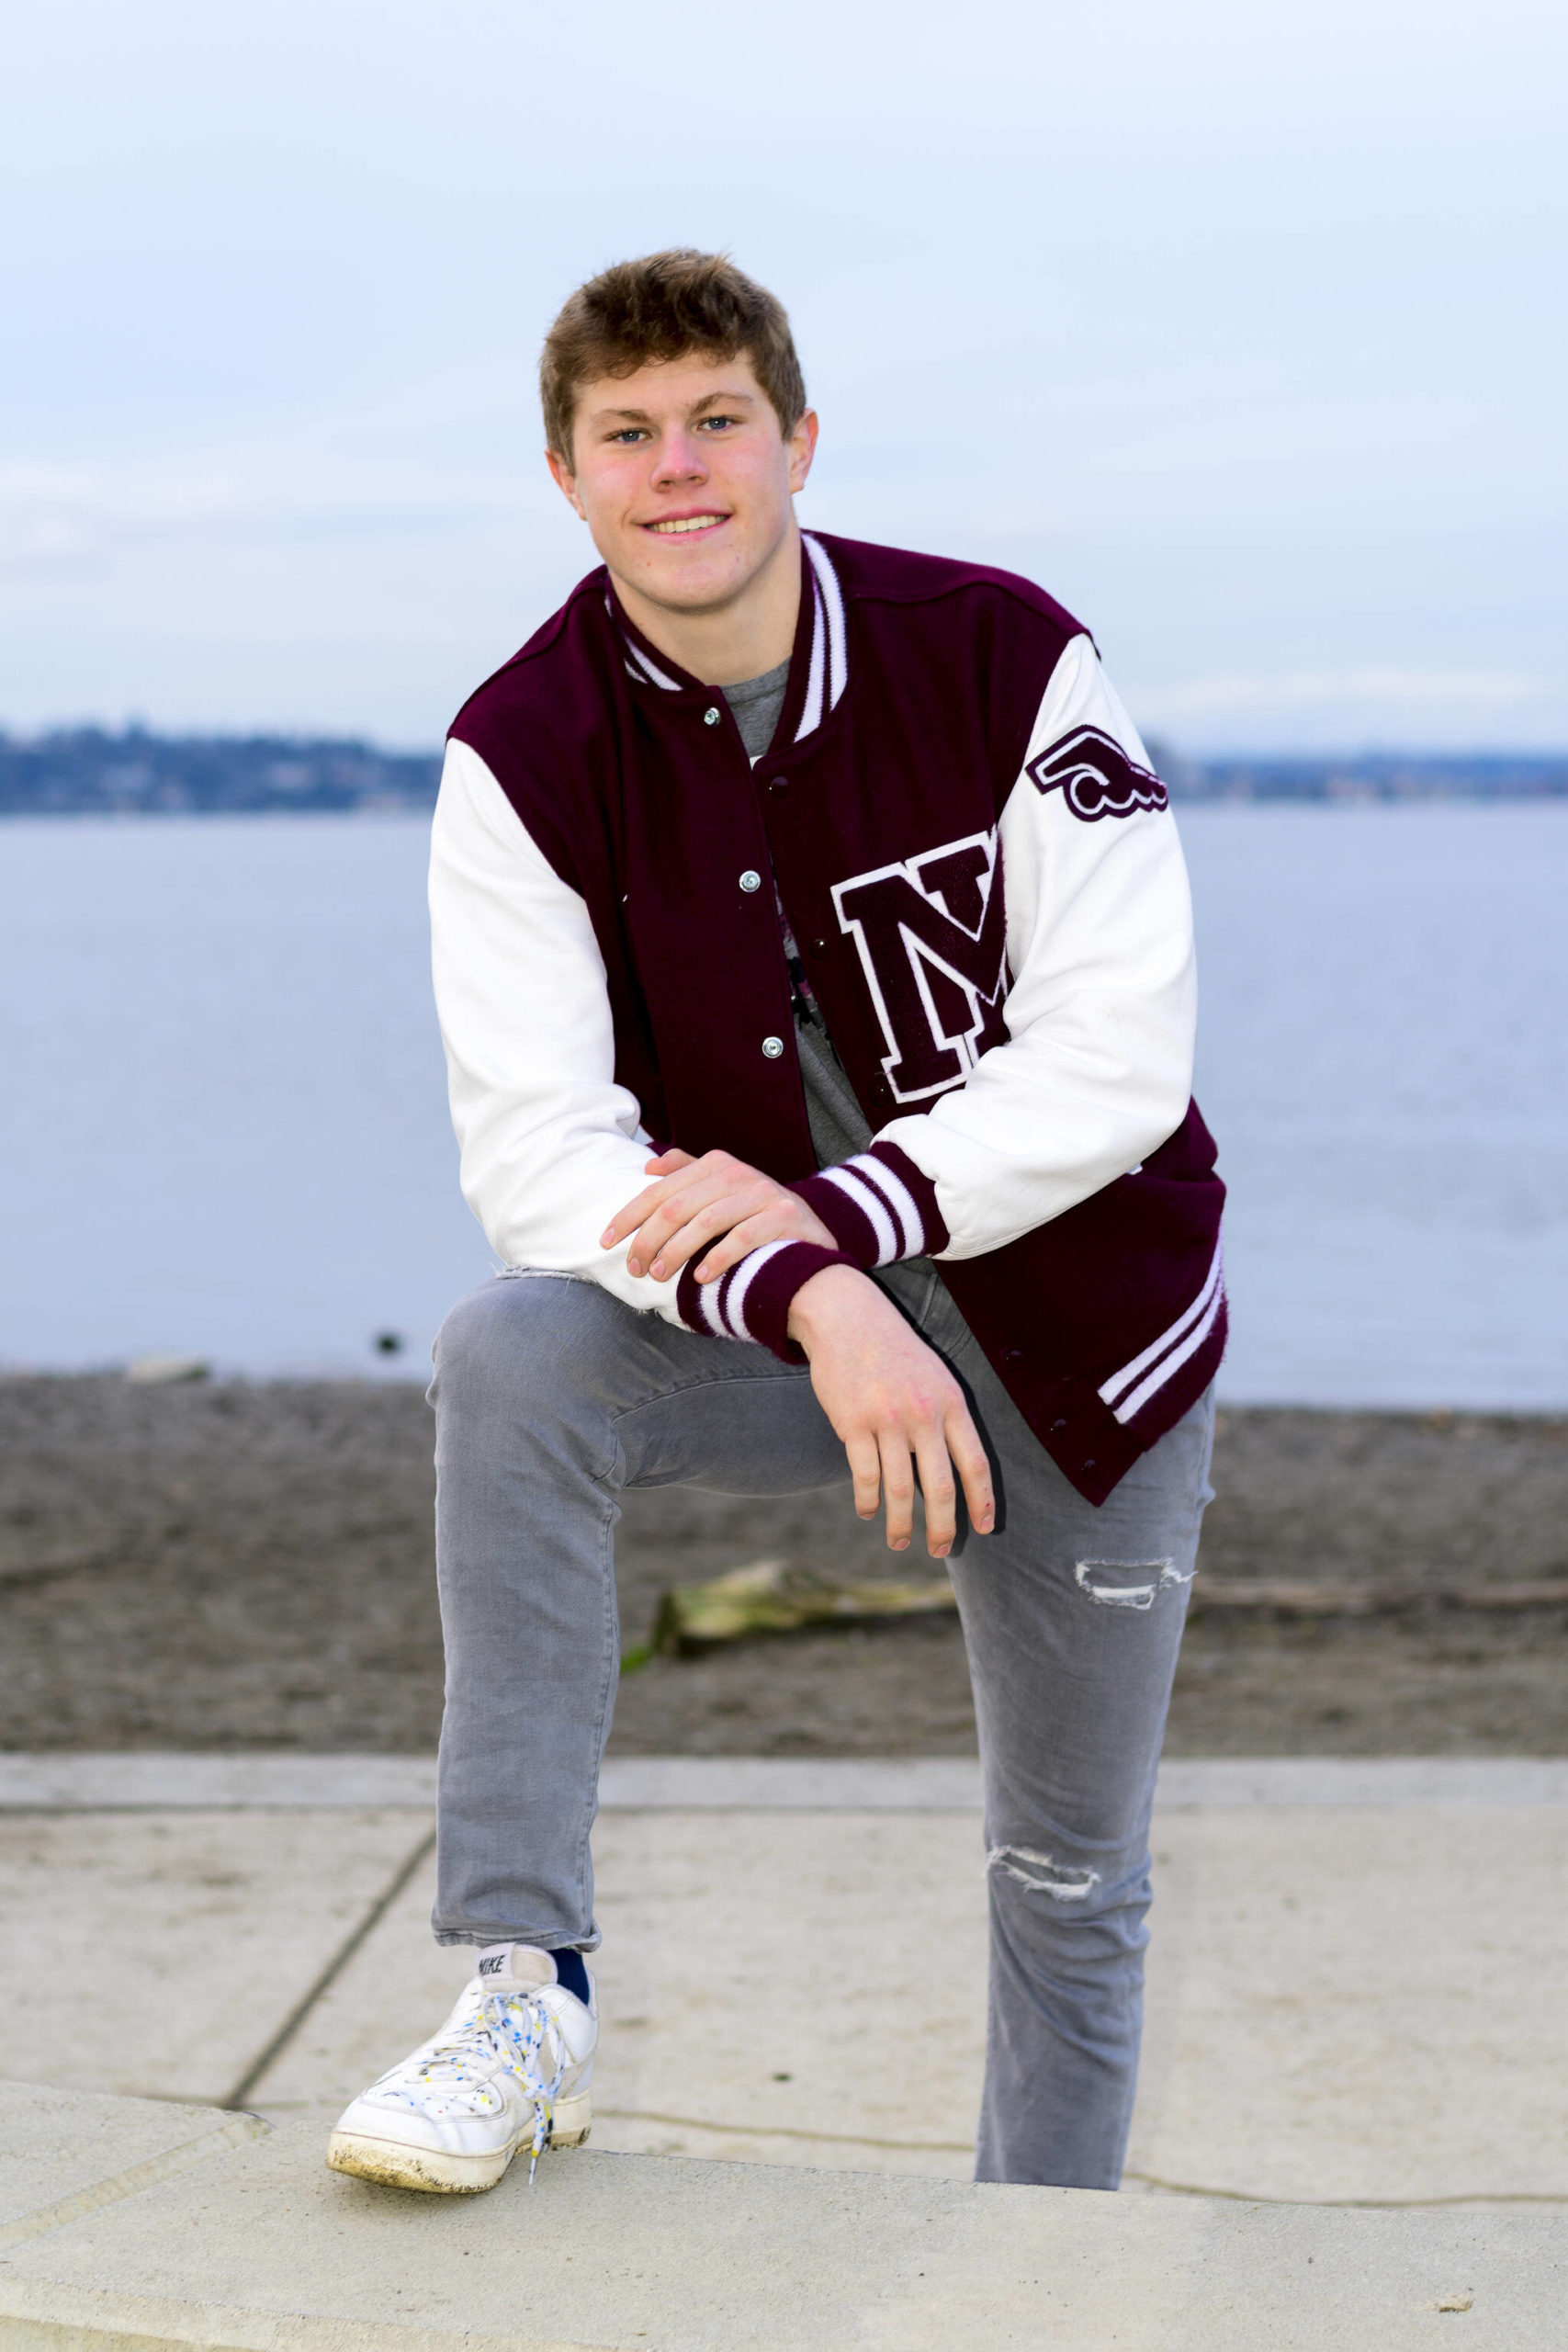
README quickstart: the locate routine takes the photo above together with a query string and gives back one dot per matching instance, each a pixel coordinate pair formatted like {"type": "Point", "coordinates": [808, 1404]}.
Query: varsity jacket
{"type": "Point", "coordinates": [983, 875]}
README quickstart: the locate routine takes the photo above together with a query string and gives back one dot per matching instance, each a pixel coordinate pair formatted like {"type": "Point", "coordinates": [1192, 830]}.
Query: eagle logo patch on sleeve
{"type": "Point", "coordinates": [1096, 778]}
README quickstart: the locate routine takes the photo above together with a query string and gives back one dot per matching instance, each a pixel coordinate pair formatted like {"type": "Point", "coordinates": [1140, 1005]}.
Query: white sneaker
{"type": "Point", "coordinates": [511, 2066]}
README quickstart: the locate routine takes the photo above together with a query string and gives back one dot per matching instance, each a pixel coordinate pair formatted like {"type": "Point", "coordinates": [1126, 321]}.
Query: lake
{"type": "Point", "coordinates": [226, 1131]}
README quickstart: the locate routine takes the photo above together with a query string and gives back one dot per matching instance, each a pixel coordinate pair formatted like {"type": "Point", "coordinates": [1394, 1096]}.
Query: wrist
{"type": "Point", "coordinates": [754, 1299]}
{"type": "Point", "coordinates": [822, 1298]}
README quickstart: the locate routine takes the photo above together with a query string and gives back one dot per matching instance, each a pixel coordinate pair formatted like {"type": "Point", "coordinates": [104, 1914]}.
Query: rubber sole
{"type": "Point", "coordinates": [393, 2164]}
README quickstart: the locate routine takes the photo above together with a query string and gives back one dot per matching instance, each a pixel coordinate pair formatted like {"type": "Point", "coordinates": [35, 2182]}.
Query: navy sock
{"type": "Point", "coordinates": [571, 1974]}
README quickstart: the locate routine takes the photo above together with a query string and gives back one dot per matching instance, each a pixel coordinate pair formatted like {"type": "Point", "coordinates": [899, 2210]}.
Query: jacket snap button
{"type": "Point", "coordinates": [750, 880]}
{"type": "Point", "coordinates": [1013, 1355]}
{"type": "Point", "coordinates": [779, 784]}
{"type": "Point", "coordinates": [1057, 1425]}
{"type": "Point", "coordinates": [773, 1047]}
{"type": "Point", "coordinates": [710, 715]}
{"type": "Point", "coordinates": [819, 948]}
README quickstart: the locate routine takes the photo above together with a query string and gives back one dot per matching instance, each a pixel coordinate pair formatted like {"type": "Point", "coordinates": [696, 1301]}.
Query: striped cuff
{"type": "Point", "coordinates": [878, 1207]}
{"type": "Point", "coordinates": [753, 1299]}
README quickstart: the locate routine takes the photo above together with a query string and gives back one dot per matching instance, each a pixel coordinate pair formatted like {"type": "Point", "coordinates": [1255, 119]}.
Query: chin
{"type": "Point", "coordinates": [688, 588]}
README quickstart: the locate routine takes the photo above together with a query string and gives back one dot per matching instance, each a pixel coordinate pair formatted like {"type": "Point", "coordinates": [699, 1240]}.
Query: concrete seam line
{"type": "Point", "coordinates": [786, 2132]}
{"type": "Point", "coordinates": [1352, 2204]}
{"type": "Point", "coordinates": [150, 1783]}
{"type": "Point", "coordinates": [330, 1974]}
{"type": "Point", "coordinates": [231, 2134]}
{"type": "Point", "coordinates": [160, 1781]}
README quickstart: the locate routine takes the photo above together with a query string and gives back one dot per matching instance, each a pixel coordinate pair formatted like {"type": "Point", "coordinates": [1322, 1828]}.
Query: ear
{"type": "Point", "coordinates": [565, 481]}
{"type": "Point", "coordinates": [802, 448]}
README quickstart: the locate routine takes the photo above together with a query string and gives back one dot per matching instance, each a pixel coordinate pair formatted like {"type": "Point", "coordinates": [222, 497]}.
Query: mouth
{"type": "Point", "coordinates": [673, 526]}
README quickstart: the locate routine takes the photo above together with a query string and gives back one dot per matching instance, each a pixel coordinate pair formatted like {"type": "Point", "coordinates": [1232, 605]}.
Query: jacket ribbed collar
{"type": "Point", "coordinates": [819, 670]}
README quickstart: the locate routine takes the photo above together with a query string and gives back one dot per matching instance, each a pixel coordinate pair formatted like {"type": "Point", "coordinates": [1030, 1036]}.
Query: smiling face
{"type": "Point", "coordinates": [684, 479]}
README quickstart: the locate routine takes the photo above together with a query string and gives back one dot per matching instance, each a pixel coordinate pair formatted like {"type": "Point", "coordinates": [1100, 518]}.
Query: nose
{"type": "Point", "coordinates": [679, 459]}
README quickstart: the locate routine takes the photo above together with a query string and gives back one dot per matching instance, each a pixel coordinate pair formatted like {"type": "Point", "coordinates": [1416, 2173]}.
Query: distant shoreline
{"type": "Point", "coordinates": [90, 771]}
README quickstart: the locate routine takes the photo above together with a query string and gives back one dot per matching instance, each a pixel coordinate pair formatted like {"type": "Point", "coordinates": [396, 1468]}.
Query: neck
{"type": "Point", "coordinates": [724, 644]}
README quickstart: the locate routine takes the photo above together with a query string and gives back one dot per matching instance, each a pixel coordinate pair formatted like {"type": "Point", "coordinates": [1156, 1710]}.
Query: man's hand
{"type": "Point", "coordinates": [717, 1200]}
{"type": "Point", "coordinates": [892, 1400]}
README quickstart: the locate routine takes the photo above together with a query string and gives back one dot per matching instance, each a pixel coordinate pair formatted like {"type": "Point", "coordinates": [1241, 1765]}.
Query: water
{"type": "Point", "coordinates": [227, 1096]}
{"type": "Point", "coordinates": [1385, 1057]}
{"type": "Point", "coordinates": [226, 1131]}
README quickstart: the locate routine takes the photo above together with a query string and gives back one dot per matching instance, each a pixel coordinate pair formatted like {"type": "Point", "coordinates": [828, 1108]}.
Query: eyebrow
{"type": "Point", "coordinates": [709, 400]}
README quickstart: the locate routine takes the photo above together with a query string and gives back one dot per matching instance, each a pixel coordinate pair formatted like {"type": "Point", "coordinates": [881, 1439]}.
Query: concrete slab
{"type": "Point", "coordinates": [744, 2057]}
{"type": "Point", "coordinates": [1358, 2003]}
{"type": "Point", "coordinates": [65, 2153]}
{"type": "Point", "coordinates": [1347, 2000]}
{"type": "Point", "coordinates": [1351, 2005]}
{"type": "Point", "coordinates": [263, 2249]}
{"type": "Point", "coordinates": [196, 1933]}
{"type": "Point", "coordinates": [68, 1782]}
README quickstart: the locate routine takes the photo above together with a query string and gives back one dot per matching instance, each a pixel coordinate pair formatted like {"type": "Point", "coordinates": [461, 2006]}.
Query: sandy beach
{"type": "Point", "coordinates": [249, 1566]}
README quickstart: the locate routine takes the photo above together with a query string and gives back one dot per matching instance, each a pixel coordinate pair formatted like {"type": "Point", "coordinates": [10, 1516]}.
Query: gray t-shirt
{"type": "Point", "coordinates": [838, 1124]}
{"type": "Point", "coordinates": [839, 1127]}
{"type": "Point", "coordinates": [756, 703]}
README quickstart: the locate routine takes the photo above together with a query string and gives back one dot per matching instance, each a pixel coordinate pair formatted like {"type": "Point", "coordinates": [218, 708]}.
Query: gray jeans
{"type": "Point", "coordinates": [550, 1396]}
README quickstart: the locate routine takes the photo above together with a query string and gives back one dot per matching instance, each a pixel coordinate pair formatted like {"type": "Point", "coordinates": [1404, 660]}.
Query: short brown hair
{"type": "Point", "coordinates": [661, 308]}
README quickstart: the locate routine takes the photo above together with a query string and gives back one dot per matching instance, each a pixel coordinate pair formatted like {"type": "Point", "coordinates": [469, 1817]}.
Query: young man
{"type": "Point", "coordinates": [813, 956]}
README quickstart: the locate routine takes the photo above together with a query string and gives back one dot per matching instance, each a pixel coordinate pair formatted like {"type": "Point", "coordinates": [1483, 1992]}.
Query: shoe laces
{"type": "Point", "coordinates": [522, 2030]}
{"type": "Point", "coordinates": [523, 2035]}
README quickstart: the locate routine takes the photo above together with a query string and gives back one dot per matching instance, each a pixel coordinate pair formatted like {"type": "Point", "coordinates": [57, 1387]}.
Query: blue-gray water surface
{"type": "Point", "coordinates": [228, 1136]}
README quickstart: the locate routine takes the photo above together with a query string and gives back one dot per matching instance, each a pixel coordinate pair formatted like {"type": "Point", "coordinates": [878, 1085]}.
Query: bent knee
{"type": "Point", "coordinates": [521, 1332]}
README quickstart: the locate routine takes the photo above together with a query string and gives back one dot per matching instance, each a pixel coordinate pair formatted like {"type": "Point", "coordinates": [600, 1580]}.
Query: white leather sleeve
{"type": "Point", "coordinates": [550, 1146]}
{"type": "Point", "coordinates": [1096, 1069]}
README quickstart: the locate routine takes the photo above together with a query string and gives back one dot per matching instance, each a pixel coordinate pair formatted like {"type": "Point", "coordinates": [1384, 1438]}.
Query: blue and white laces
{"type": "Point", "coordinates": [516, 2030]}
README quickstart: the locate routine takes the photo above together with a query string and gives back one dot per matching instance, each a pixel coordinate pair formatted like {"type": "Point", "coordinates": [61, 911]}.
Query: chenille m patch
{"type": "Point", "coordinates": [931, 934]}
{"type": "Point", "coordinates": [1096, 778]}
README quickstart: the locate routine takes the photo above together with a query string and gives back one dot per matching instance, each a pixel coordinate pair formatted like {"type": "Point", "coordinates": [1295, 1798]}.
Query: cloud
{"type": "Point", "coordinates": [76, 518]}
{"type": "Point", "coordinates": [56, 517]}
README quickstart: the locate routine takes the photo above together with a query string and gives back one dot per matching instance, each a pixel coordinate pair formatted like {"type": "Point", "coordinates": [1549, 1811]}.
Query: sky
{"type": "Point", "coordinates": [1240, 329]}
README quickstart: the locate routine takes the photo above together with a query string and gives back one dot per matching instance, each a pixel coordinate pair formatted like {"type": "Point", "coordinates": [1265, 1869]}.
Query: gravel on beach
{"type": "Point", "coordinates": [238, 1564]}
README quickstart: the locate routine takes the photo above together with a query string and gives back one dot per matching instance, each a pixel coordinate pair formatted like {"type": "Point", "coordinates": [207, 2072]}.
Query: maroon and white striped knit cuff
{"type": "Point", "coordinates": [753, 1299]}
{"type": "Point", "coordinates": [878, 1207]}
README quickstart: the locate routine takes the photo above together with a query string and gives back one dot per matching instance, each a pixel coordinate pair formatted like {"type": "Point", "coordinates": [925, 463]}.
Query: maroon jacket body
{"type": "Point", "coordinates": [914, 689]}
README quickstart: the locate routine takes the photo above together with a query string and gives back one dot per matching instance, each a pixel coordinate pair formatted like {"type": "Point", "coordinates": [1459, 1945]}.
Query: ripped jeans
{"type": "Point", "coordinates": [550, 1396]}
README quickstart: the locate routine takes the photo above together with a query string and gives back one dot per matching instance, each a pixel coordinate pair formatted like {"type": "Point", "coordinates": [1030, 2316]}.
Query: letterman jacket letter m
{"type": "Point", "coordinates": [931, 933]}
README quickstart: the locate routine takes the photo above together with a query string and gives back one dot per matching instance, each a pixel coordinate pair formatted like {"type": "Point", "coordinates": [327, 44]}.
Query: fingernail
{"type": "Point", "coordinates": [898, 1543]}
{"type": "Point", "coordinates": [941, 1551]}
{"type": "Point", "coordinates": [657, 1269]}
{"type": "Point", "coordinates": [632, 1267]}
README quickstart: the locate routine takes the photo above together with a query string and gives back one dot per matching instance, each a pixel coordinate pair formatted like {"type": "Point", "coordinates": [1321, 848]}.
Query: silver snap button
{"type": "Point", "coordinates": [773, 1047]}
{"type": "Point", "coordinates": [750, 880]}
{"type": "Point", "coordinates": [710, 715]}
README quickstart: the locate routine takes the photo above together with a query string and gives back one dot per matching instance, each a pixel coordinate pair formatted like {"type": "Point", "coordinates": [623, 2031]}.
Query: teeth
{"type": "Point", "coordinates": [691, 523]}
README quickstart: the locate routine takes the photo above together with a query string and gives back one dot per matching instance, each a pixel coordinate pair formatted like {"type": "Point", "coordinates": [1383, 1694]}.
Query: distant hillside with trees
{"type": "Point", "coordinates": [1374, 776]}
{"type": "Point", "coordinates": [84, 771]}
{"type": "Point", "coordinates": [87, 771]}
